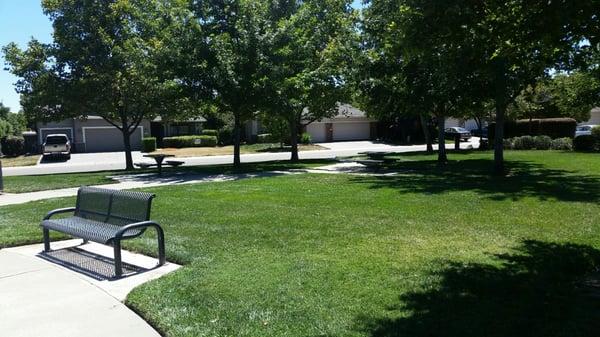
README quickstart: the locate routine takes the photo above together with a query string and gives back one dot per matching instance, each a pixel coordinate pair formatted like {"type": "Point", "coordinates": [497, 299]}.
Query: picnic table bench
{"type": "Point", "coordinates": [107, 217]}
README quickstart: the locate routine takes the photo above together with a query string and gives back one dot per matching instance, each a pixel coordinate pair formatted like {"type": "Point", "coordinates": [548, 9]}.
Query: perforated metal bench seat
{"type": "Point", "coordinates": [89, 229]}
{"type": "Point", "coordinates": [106, 216]}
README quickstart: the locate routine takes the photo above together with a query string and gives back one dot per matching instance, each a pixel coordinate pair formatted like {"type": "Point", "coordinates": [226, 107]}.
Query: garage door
{"type": "Point", "coordinates": [109, 140]}
{"type": "Point", "coordinates": [351, 131]}
{"type": "Point", "coordinates": [55, 131]}
{"type": "Point", "coordinates": [317, 132]}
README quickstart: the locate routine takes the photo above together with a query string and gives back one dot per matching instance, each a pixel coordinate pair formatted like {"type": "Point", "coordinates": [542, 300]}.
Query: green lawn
{"type": "Point", "coordinates": [22, 184]}
{"type": "Point", "coordinates": [424, 253]}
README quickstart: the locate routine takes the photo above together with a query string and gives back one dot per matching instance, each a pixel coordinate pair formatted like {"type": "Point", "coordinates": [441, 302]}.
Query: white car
{"type": "Point", "coordinates": [584, 130]}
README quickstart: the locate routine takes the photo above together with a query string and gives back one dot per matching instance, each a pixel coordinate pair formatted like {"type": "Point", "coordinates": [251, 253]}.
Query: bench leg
{"type": "Point", "coordinates": [85, 241]}
{"type": "Point", "coordinates": [46, 239]}
{"type": "Point", "coordinates": [118, 264]}
{"type": "Point", "coordinates": [161, 246]}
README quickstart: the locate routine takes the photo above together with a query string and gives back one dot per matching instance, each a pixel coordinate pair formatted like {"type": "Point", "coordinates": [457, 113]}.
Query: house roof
{"type": "Point", "coordinates": [198, 119]}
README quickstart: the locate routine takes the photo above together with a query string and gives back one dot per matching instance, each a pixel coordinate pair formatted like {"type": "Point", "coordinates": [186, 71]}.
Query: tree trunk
{"type": "Point", "coordinates": [442, 157]}
{"type": "Point", "coordinates": [127, 145]}
{"type": "Point", "coordinates": [237, 140]}
{"type": "Point", "coordinates": [499, 138]}
{"type": "Point", "coordinates": [501, 104]}
{"type": "Point", "coordinates": [426, 133]}
{"type": "Point", "coordinates": [294, 141]}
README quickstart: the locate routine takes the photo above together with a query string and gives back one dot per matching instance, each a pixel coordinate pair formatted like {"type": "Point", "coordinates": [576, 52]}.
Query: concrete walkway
{"type": "Point", "coordinates": [53, 295]}
{"type": "Point", "coordinates": [127, 182]}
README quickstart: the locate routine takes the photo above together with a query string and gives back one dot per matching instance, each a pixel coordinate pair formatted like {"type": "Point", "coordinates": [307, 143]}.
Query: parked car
{"type": "Point", "coordinates": [482, 134]}
{"type": "Point", "coordinates": [451, 133]}
{"type": "Point", "coordinates": [584, 130]}
{"type": "Point", "coordinates": [57, 145]}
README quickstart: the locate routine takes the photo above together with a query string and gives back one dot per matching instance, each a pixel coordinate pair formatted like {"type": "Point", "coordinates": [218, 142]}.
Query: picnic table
{"type": "Point", "coordinates": [159, 158]}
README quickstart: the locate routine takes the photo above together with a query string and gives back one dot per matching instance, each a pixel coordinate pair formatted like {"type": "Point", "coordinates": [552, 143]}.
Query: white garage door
{"type": "Point", "coordinates": [351, 131]}
{"type": "Point", "coordinates": [317, 132]}
{"type": "Point", "coordinates": [109, 140]}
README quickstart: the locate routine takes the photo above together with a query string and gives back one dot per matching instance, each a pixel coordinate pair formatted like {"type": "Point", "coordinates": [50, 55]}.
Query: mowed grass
{"type": "Point", "coordinates": [22, 184]}
{"type": "Point", "coordinates": [429, 252]}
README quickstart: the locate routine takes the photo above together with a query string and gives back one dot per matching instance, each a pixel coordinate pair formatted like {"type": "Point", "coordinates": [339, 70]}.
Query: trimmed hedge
{"type": "Point", "coordinates": [190, 141]}
{"type": "Point", "coordinates": [209, 132]}
{"type": "Point", "coordinates": [538, 143]}
{"type": "Point", "coordinates": [149, 144]}
{"type": "Point", "coordinates": [565, 144]}
{"type": "Point", "coordinates": [13, 146]}
{"type": "Point", "coordinates": [551, 127]}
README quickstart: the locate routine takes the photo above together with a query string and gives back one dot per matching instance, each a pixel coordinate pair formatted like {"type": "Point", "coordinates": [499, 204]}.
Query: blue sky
{"type": "Point", "coordinates": [20, 20]}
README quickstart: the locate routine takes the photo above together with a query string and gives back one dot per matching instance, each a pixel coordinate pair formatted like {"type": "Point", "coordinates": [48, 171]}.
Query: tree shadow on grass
{"type": "Point", "coordinates": [524, 179]}
{"type": "Point", "coordinates": [543, 289]}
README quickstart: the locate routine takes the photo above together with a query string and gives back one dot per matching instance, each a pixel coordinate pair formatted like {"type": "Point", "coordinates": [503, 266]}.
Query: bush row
{"type": "Point", "coordinates": [538, 143]}
{"type": "Point", "coordinates": [551, 127]}
{"type": "Point", "coordinates": [149, 144]}
{"type": "Point", "coordinates": [588, 142]}
{"type": "Point", "coordinates": [190, 141]}
{"type": "Point", "coordinates": [12, 146]}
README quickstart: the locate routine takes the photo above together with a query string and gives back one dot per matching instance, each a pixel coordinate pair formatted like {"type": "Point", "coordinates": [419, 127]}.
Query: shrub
{"type": "Point", "coordinates": [584, 143]}
{"type": "Point", "coordinates": [190, 141]}
{"type": "Point", "coordinates": [565, 144]}
{"type": "Point", "coordinates": [551, 127]}
{"type": "Point", "coordinates": [306, 138]}
{"type": "Point", "coordinates": [149, 144]}
{"type": "Point", "coordinates": [209, 132]}
{"type": "Point", "coordinates": [264, 138]}
{"type": "Point", "coordinates": [13, 146]}
{"type": "Point", "coordinates": [509, 143]}
{"type": "Point", "coordinates": [543, 142]}
{"type": "Point", "coordinates": [596, 136]}
{"type": "Point", "coordinates": [523, 143]}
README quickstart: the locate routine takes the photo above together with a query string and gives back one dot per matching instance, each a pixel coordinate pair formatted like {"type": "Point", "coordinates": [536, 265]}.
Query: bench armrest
{"type": "Point", "coordinates": [143, 224]}
{"type": "Point", "coordinates": [58, 211]}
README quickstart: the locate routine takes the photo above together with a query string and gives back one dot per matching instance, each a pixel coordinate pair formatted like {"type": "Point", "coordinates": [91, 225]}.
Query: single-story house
{"type": "Point", "coordinates": [350, 123]}
{"type": "Point", "coordinates": [94, 134]}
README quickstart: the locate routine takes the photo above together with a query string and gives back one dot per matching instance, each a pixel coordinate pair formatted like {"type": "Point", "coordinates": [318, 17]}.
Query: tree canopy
{"type": "Point", "coordinates": [104, 61]}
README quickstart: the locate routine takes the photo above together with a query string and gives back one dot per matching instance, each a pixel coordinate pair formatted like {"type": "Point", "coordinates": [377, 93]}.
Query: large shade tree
{"type": "Point", "coordinates": [522, 41]}
{"type": "Point", "coordinates": [421, 53]}
{"type": "Point", "coordinates": [222, 57]}
{"type": "Point", "coordinates": [308, 57]}
{"type": "Point", "coordinates": [104, 61]}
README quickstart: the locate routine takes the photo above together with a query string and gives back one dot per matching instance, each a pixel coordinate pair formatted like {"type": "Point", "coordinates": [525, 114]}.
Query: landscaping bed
{"type": "Point", "coordinates": [228, 150]}
{"type": "Point", "coordinates": [423, 253]}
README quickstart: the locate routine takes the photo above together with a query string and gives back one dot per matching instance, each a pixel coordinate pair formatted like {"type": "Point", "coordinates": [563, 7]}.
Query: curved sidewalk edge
{"type": "Point", "coordinates": [43, 298]}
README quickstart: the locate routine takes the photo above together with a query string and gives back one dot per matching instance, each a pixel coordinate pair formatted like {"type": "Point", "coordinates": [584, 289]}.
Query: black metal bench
{"type": "Point", "coordinates": [107, 217]}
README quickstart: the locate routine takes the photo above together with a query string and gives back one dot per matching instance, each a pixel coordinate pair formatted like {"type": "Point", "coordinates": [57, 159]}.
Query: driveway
{"type": "Point", "coordinates": [91, 162]}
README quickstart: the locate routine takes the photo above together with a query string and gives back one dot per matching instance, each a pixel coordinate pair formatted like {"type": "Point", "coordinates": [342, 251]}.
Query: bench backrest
{"type": "Point", "coordinates": [114, 207]}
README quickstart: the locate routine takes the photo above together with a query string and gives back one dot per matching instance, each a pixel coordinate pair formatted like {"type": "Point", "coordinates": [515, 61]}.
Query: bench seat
{"type": "Point", "coordinates": [88, 229]}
